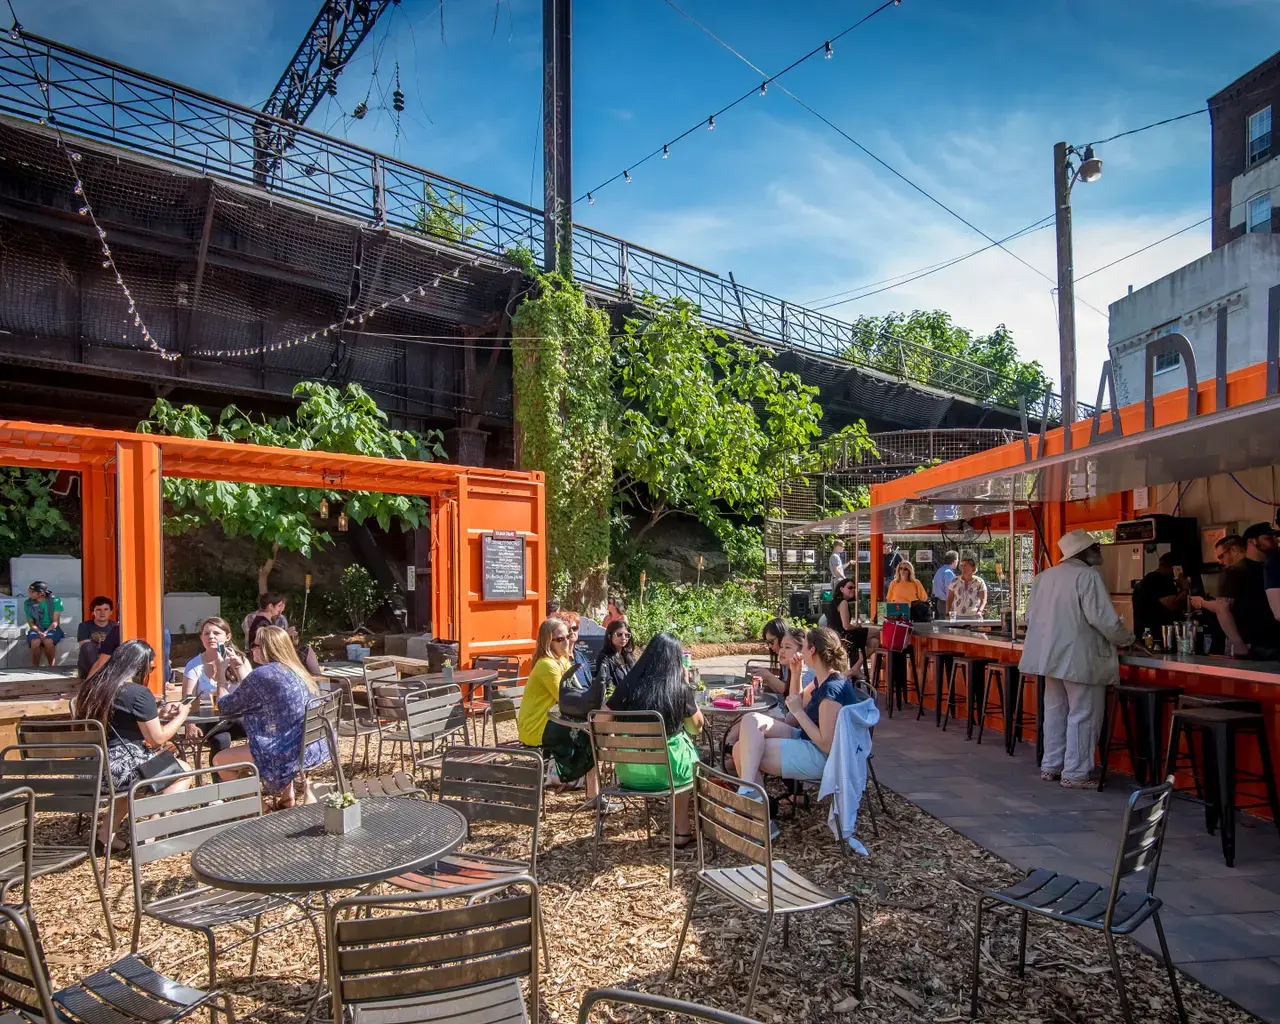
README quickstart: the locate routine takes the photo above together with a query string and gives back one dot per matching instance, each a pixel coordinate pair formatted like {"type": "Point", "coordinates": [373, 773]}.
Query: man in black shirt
{"type": "Point", "coordinates": [1158, 599]}
{"type": "Point", "coordinates": [1241, 606]}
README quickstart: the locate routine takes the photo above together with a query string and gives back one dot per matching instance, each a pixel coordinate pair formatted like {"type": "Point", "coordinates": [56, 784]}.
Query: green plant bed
{"type": "Point", "coordinates": [698, 613]}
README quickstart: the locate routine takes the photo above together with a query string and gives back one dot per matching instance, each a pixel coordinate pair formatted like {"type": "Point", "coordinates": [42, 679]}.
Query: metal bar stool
{"type": "Point", "coordinates": [974, 668]}
{"type": "Point", "coordinates": [1005, 676]}
{"type": "Point", "coordinates": [1187, 761]}
{"type": "Point", "coordinates": [1022, 717]}
{"type": "Point", "coordinates": [899, 675]}
{"type": "Point", "coordinates": [1219, 728]}
{"type": "Point", "coordinates": [1141, 708]}
{"type": "Point", "coordinates": [940, 662]}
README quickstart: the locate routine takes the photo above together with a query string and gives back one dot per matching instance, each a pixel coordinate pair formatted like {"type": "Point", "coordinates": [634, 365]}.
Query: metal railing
{"type": "Point", "coordinates": [99, 99]}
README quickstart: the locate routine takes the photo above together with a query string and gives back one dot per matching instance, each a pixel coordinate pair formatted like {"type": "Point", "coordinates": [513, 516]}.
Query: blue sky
{"type": "Point", "coordinates": [965, 98]}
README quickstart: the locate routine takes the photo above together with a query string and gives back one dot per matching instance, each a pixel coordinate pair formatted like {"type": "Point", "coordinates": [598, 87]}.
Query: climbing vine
{"type": "Point", "coordinates": [560, 347]}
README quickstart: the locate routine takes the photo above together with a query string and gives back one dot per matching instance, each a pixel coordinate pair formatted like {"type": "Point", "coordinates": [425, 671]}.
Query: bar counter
{"type": "Point", "coordinates": [1257, 680]}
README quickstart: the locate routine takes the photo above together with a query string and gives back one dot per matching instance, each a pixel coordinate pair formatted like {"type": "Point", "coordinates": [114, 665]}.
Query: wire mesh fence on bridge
{"type": "Point", "coordinates": [99, 99]}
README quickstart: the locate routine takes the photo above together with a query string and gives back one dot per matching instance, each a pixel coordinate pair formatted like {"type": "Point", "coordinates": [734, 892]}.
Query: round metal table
{"type": "Point", "coordinates": [720, 720]}
{"type": "Point", "coordinates": [289, 851]}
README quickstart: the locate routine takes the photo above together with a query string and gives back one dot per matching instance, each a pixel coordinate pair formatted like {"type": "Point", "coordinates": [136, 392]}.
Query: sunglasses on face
{"type": "Point", "coordinates": [559, 639]}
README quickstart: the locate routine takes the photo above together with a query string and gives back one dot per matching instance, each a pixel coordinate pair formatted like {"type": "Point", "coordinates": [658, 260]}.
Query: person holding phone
{"type": "Point", "coordinates": [136, 731]}
{"type": "Point", "coordinates": [210, 676]}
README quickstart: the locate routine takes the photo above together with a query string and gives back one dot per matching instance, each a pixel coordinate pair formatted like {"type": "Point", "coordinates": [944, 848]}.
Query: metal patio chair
{"type": "Point", "coordinates": [354, 720]}
{"type": "Point", "coordinates": [632, 737]}
{"type": "Point", "coordinates": [75, 731]}
{"type": "Point", "coordinates": [414, 965]}
{"type": "Point", "coordinates": [486, 786]}
{"type": "Point", "coordinates": [366, 786]}
{"type": "Point", "coordinates": [412, 716]}
{"type": "Point", "coordinates": [127, 992]}
{"type": "Point", "coordinates": [740, 824]}
{"type": "Point", "coordinates": [503, 705]}
{"type": "Point", "coordinates": [1105, 908]}
{"type": "Point", "coordinates": [320, 723]}
{"type": "Point", "coordinates": [659, 1004]}
{"type": "Point", "coordinates": [17, 840]}
{"type": "Point", "coordinates": [172, 824]}
{"type": "Point", "coordinates": [67, 778]}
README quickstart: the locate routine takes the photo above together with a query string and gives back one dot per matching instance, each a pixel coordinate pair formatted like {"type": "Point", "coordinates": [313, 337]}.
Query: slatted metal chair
{"type": "Point", "coordinates": [435, 718]}
{"type": "Point", "coordinates": [462, 965]}
{"type": "Point", "coordinates": [388, 701]}
{"type": "Point", "coordinates": [503, 705]}
{"type": "Point", "coordinates": [67, 779]}
{"type": "Point", "coordinates": [129, 991]}
{"type": "Point", "coordinates": [366, 786]}
{"type": "Point", "coordinates": [740, 824]}
{"type": "Point", "coordinates": [17, 839]}
{"type": "Point", "coordinates": [659, 1004]}
{"type": "Point", "coordinates": [172, 824]}
{"type": "Point", "coordinates": [631, 737]}
{"type": "Point", "coordinates": [486, 786]}
{"type": "Point", "coordinates": [320, 724]}
{"type": "Point", "coordinates": [1105, 908]}
{"type": "Point", "coordinates": [354, 720]}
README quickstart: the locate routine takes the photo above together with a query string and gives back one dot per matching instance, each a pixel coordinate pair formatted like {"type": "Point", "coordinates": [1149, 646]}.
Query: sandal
{"type": "Point", "coordinates": [118, 846]}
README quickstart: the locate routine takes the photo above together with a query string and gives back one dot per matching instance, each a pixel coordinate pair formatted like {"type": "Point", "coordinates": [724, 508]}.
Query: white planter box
{"type": "Point", "coordinates": [341, 820]}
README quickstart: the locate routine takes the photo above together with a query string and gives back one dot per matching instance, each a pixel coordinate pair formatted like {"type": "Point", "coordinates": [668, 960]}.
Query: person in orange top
{"type": "Point", "coordinates": [905, 588]}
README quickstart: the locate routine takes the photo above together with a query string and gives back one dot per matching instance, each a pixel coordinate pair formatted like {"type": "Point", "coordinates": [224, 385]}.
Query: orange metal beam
{"type": "Point", "coordinates": [98, 534]}
{"type": "Point", "coordinates": [141, 546]}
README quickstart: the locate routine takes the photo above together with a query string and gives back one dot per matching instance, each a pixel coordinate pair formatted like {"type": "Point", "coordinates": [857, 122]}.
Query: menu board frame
{"type": "Point", "coordinates": [490, 589]}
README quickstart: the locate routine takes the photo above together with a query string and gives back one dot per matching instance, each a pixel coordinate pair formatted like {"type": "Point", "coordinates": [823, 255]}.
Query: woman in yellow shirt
{"type": "Point", "coordinates": [905, 588]}
{"type": "Point", "coordinates": [569, 749]}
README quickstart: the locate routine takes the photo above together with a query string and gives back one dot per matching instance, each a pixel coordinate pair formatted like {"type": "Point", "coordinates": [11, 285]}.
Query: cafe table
{"type": "Point", "coordinates": [720, 720]}
{"type": "Point", "coordinates": [289, 851]}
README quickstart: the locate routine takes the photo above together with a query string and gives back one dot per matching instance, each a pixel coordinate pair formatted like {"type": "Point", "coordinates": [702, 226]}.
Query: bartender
{"type": "Point", "coordinates": [1159, 600]}
{"type": "Point", "coordinates": [1241, 607]}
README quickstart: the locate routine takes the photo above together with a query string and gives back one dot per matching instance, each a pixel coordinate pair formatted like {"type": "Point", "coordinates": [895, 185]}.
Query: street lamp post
{"type": "Point", "coordinates": [1065, 174]}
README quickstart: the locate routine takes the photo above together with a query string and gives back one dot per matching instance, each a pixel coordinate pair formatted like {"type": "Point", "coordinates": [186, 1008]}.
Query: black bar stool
{"type": "Point", "coordinates": [1187, 761]}
{"type": "Point", "coordinates": [974, 668]}
{"type": "Point", "coordinates": [940, 662]}
{"type": "Point", "coordinates": [1023, 718]}
{"type": "Point", "coordinates": [1218, 729]}
{"type": "Point", "coordinates": [900, 674]}
{"type": "Point", "coordinates": [855, 644]}
{"type": "Point", "coordinates": [1141, 708]}
{"type": "Point", "coordinates": [1005, 676]}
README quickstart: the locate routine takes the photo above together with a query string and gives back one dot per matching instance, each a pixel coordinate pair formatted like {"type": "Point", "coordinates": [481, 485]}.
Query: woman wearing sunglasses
{"type": "Point", "coordinates": [618, 656]}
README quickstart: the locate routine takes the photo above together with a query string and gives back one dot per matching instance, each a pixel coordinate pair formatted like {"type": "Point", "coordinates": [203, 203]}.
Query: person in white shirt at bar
{"type": "Point", "coordinates": [835, 564]}
{"type": "Point", "coordinates": [1073, 632]}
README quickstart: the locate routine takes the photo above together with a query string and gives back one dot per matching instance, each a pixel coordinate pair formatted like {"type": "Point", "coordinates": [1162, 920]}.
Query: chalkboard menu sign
{"type": "Point", "coordinates": [502, 566]}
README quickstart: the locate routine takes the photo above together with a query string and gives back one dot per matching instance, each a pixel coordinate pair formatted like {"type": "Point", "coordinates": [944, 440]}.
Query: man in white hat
{"type": "Point", "coordinates": [1073, 631]}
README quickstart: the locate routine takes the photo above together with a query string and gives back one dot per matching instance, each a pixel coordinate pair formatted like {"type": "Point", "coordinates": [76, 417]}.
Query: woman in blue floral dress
{"type": "Point", "coordinates": [273, 702]}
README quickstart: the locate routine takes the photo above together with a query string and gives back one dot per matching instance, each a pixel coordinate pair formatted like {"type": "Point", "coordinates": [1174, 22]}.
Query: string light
{"type": "Point", "coordinates": [417, 291]}
{"type": "Point", "coordinates": [591, 200]}
{"type": "Point", "coordinates": [666, 152]}
{"type": "Point", "coordinates": [764, 88]}
{"type": "Point", "coordinates": [711, 123]}
{"type": "Point", "coordinates": [626, 176]}
{"type": "Point", "coordinates": [828, 52]}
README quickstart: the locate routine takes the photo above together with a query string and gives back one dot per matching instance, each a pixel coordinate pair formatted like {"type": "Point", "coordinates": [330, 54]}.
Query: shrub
{"type": "Point", "coordinates": [698, 613]}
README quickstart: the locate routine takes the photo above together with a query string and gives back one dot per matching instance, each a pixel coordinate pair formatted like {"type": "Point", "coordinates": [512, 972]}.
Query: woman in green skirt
{"type": "Point", "coordinates": [659, 682]}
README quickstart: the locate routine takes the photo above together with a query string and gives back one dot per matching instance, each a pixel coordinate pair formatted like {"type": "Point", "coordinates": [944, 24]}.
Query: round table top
{"type": "Point", "coordinates": [764, 702]}
{"type": "Point", "coordinates": [461, 677]}
{"type": "Point", "coordinates": [289, 850]}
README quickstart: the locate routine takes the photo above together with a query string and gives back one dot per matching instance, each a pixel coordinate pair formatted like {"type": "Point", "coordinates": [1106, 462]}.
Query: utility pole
{"type": "Point", "coordinates": [557, 136]}
{"type": "Point", "coordinates": [1066, 289]}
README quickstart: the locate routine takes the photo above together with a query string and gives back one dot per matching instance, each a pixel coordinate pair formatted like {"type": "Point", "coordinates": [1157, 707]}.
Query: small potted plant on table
{"type": "Point", "coordinates": [341, 812]}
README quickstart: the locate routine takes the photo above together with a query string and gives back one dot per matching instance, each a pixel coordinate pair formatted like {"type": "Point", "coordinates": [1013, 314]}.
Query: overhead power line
{"type": "Point", "coordinates": [1153, 124]}
{"type": "Point", "coordinates": [1136, 252]}
{"type": "Point", "coordinates": [883, 163]}
{"type": "Point", "coordinates": [709, 122]}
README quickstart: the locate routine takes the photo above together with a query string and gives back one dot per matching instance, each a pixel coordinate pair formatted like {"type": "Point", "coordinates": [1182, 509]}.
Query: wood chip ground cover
{"type": "Point", "coordinates": [618, 925]}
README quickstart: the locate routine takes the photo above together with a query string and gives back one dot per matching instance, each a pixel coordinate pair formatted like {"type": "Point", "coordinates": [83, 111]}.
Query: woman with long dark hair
{"type": "Point", "coordinates": [617, 657]}
{"type": "Point", "coordinates": [659, 682]}
{"type": "Point", "coordinates": [116, 697]}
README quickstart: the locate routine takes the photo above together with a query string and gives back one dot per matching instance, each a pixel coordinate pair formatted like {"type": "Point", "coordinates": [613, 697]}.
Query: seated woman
{"type": "Point", "coordinates": [660, 682]}
{"type": "Point", "coordinates": [273, 702]}
{"type": "Point", "coordinates": [842, 617]}
{"type": "Point", "coordinates": [116, 696]}
{"type": "Point", "coordinates": [796, 747]}
{"type": "Point", "coordinates": [618, 656]}
{"type": "Point", "coordinates": [568, 749]}
{"type": "Point", "coordinates": [211, 674]}
{"type": "Point", "coordinates": [905, 588]}
{"type": "Point", "coordinates": [793, 673]}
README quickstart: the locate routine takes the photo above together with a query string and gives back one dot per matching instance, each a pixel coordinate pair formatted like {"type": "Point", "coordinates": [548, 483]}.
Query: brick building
{"type": "Point", "coordinates": [1246, 174]}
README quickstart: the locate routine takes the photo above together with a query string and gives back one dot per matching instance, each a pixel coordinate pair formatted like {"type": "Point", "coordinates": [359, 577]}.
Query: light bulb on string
{"type": "Point", "coordinates": [591, 200]}
{"type": "Point", "coordinates": [666, 151]}
{"type": "Point", "coordinates": [828, 52]}
{"type": "Point", "coordinates": [764, 88]}
{"type": "Point", "coordinates": [711, 123]}
{"type": "Point", "coordinates": [626, 176]}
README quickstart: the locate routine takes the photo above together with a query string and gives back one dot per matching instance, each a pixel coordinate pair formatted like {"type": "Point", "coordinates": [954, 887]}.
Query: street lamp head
{"type": "Point", "coordinates": [1090, 166]}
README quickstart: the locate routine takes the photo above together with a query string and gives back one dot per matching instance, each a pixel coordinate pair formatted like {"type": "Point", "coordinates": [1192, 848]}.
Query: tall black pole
{"type": "Point", "coordinates": [557, 139]}
{"type": "Point", "coordinates": [1066, 288]}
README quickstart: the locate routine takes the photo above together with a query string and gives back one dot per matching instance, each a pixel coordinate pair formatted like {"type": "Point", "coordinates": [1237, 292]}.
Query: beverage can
{"type": "Point", "coordinates": [1207, 642]}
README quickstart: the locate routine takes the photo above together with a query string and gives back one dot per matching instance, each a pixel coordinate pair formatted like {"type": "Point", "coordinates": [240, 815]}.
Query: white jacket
{"type": "Point", "coordinates": [1072, 626]}
{"type": "Point", "coordinates": [844, 777]}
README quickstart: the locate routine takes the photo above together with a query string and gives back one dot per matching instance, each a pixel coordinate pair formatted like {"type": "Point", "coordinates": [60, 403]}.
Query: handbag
{"type": "Point", "coordinates": [577, 701]}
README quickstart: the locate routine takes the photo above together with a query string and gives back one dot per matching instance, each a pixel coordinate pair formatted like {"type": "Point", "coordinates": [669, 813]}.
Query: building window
{"type": "Point", "coordinates": [1167, 360]}
{"type": "Point", "coordinates": [1259, 213]}
{"type": "Point", "coordinates": [1259, 135]}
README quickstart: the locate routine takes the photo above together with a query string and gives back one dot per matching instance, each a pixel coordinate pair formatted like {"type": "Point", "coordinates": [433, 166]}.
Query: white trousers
{"type": "Point", "coordinates": [1073, 714]}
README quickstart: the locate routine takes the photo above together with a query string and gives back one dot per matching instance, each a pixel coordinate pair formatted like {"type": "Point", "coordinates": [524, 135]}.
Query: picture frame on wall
{"type": "Point", "coordinates": [924, 556]}
{"type": "Point", "coordinates": [810, 557]}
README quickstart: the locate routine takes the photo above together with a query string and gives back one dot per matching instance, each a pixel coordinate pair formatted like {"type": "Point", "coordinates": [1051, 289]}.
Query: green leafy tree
{"type": "Point", "coordinates": [347, 422]}
{"type": "Point", "coordinates": [32, 517]}
{"type": "Point", "coordinates": [936, 337]}
{"type": "Point", "coordinates": [560, 368]}
{"type": "Point", "coordinates": [704, 425]}
{"type": "Point", "coordinates": [442, 217]}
